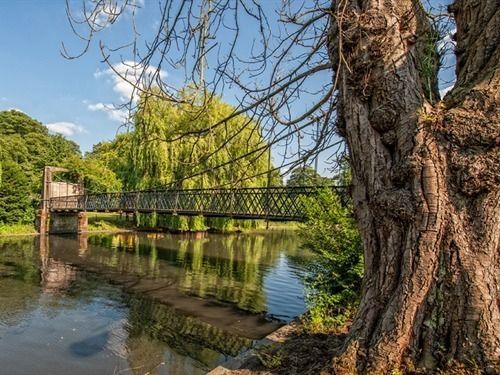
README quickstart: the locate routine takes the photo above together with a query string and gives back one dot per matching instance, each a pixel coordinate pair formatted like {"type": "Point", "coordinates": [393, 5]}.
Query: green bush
{"type": "Point", "coordinates": [197, 223]}
{"type": "Point", "coordinates": [16, 203]}
{"type": "Point", "coordinates": [334, 279]}
{"type": "Point", "coordinates": [7, 229]}
{"type": "Point", "coordinates": [26, 147]}
{"type": "Point", "coordinates": [222, 224]}
{"type": "Point", "coordinates": [146, 220]}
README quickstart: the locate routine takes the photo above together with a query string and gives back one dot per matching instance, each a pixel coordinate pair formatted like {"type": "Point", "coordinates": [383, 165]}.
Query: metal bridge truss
{"type": "Point", "coordinates": [274, 203]}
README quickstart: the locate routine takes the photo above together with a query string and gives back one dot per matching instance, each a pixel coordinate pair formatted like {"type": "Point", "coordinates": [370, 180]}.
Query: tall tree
{"type": "Point", "coordinates": [158, 158]}
{"type": "Point", "coordinates": [426, 183]}
{"type": "Point", "coordinates": [16, 204]}
{"type": "Point", "coordinates": [426, 189]}
{"type": "Point", "coordinates": [25, 148]}
{"type": "Point", "coordinates": [307, 176]}
{"type": "Point", "coordinates": [115, 155]}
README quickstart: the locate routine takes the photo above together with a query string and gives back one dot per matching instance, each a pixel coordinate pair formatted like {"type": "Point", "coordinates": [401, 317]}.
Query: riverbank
{"type": "Point", "coordinates": [292, 349]}
{"type": "Point", "coordinates": [97, 223]}
{"type": "Point", "coordinates": [111, 222]}
{"type": "Point", "coordinates": [17, 229]}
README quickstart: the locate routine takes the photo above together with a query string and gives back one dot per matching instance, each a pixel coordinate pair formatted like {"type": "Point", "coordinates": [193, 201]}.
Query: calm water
{"type": "Point", "coordinates": [143, 303]}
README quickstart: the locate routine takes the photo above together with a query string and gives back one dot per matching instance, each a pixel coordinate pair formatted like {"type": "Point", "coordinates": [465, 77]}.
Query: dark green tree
{"type": "Point", "coordinates": [26, 147]}
{"type": "Point", "coordinates": [16, 204]}
{"type": "Point", "coordinates": [307, 176]}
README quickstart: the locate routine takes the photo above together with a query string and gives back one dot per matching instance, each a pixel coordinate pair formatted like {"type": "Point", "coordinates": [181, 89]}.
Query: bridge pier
{"type": "Point", "coordinates": [68, 222]}
{"type": "Point", "coordinates": [62, 222]}
{"type": "Point", "coordinates": [42, 221]}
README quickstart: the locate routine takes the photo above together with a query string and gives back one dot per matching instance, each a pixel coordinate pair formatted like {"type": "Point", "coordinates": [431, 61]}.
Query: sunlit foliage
{"type": "Point", "coordinates": [159, 157]}
{"type": "Point", "coordinates": [26, 147]}
{"type": "Point", "coordinates": [335, 278]}
{"type": "Point", "coordinates": [152, 155]}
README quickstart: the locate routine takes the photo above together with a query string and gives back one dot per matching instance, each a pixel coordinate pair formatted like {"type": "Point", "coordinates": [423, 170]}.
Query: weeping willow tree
{"type": "Point", "coordinates": [159, 159]}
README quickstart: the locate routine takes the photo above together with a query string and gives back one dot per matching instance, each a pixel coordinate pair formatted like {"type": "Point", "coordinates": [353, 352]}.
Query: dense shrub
{"type": "Point", "coordinates": [16, 203]}
{"type": "Point", "coordinates": [334, 279]}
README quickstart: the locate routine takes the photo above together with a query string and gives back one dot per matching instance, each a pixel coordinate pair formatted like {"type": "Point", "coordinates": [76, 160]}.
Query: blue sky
{"type": "Point", "coordinates": [69, 96]}
{"type": "Point", "coordinates": [36, 79]}
{"type": "Point", "coordinates": [73, 97]}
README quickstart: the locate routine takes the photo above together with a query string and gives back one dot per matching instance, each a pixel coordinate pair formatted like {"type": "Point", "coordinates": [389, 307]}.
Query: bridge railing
{"type": "Point", "coordinates": [280, 203]}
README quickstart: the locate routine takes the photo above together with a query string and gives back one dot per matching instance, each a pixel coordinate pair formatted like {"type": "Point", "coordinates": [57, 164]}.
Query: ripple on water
{"type": "Point", "coordinates": [285, 290]}
{"type": "Point", "coordinates": [131, 301]}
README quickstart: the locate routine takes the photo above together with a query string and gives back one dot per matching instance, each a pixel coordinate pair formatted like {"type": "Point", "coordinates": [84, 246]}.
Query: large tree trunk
{"type": "Point", "coordinates": [426, 185]}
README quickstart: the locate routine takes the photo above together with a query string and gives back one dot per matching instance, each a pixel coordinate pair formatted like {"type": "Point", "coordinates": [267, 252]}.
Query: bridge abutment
{"type": "Point", "coordinates": [68, 222]}
{"type": "Point", "coordinates": [62, 222]}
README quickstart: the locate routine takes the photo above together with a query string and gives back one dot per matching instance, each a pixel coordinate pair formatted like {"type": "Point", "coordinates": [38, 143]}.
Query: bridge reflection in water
{"type": "Point", "coordinates": [157, 303]}
{"type": "Point", "coordinates": [273, 203]}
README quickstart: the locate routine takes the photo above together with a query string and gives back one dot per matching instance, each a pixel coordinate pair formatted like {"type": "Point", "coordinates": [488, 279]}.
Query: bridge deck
{"type": "Point", "coordinates": [275, 203]}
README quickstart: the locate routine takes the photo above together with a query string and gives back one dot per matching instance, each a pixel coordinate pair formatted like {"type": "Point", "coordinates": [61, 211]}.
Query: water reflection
{"type": "Point", "coordinates": [137, 303]}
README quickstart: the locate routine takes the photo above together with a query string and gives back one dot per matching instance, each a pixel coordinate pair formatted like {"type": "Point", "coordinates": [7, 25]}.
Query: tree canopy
{"type": "Point", "coordinates": [149, 156]}
{"type": "Point", "coordinates": [26, 147]}
{"type": "Point", "coordinates": [158, 159]}
{"type": "Point", "coordinates": [307, 176]}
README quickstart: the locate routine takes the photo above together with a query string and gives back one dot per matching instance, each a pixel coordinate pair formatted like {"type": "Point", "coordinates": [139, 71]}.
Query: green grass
{"type": "Point", "coordinates": [108, 222]}
{"type": "Point", "coordinates": [8, 229]}
{"type": "Point", "coordinates": [270, 355]}
{"type": "Point", "coordinates": [113, 222]}
{"type": "Point", "coordinates": [282, 225]}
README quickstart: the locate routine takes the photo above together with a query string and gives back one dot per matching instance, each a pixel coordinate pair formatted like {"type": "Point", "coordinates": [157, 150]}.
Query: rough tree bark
{"type": "Point", "coordinates": [426, 185]}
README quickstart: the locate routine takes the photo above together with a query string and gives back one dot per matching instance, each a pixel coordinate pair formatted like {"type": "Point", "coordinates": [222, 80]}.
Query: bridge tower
{"type": "Point", "coordinates": [64, 221]}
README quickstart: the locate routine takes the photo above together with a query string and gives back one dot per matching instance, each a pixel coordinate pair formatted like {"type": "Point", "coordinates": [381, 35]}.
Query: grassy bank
{"type": "Point", "coordinates": [180, 223]}
{"type": "Point", "coordinates": [112, 222]}
{"type": "Point", "coordinates": [13, 229]}
{"type": "Point", "coordinates": [97, 222]}
{"type": "Point", "coordinates": [109, 222]}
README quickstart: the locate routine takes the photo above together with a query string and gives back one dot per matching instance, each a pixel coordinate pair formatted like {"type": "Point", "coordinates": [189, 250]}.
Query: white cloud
{"type": "Point", "coordinates": [16, 109]}
{"type": "Point", "coordinates": [447, 42]}
{"type": "Point", "coordinates": [65, 128]}
{"type": "Point", "coordinates": [126, 75]}
{"type": "Point", "coordinates": [113, 113]}
{"type": "Point", "coordinates": [445, 90]}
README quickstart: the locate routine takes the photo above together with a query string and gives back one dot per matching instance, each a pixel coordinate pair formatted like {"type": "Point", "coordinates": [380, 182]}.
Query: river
{"type": "Point", "coordinates": [137, 303]}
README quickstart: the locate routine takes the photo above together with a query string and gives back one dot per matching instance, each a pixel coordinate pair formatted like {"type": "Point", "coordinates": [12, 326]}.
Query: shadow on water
{"type": "Point", "coordinates": [137, 303]}
{"type": "Point", "coordinates": [90, 345]}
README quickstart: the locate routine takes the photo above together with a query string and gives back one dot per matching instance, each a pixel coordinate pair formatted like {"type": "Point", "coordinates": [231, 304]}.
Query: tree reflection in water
{"type": "Point", "coordinates": [229, 268]}
{"type": "Point", "coordinates": [177, 302]}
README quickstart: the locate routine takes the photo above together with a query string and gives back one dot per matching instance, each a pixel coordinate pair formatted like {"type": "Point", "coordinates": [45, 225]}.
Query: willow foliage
{"type": "Point", "coordinates": [158, 159]}
{"type": "Point", "coordinates": [150, 156]}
